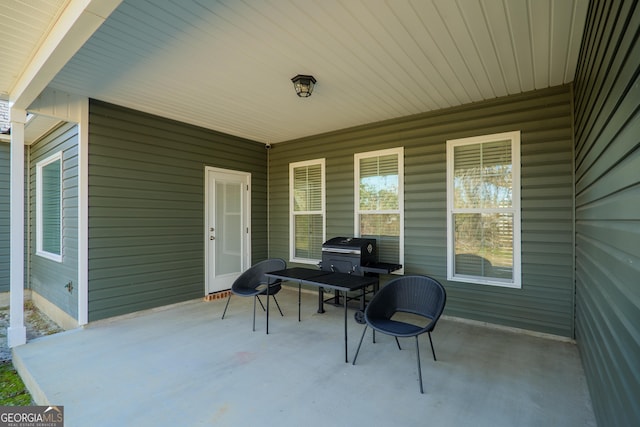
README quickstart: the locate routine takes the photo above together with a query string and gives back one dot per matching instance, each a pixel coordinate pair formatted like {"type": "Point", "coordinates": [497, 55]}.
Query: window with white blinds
{"type": "Point", "coordinates": [379, 201]}
{"type": "Point", "coordinates": [307, 209]}
{"type": "Point", "coordinates": [49, 208]}
{"type": "Point", "coordinates": [483, 209]}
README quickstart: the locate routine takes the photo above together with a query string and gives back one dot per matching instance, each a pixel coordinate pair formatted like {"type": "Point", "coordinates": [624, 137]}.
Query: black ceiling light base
{"type": "Point", "coordinates": [303, 85]}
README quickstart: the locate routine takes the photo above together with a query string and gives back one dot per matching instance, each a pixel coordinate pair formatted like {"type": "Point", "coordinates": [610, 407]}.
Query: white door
{"type": "Point", "coordinates": [227, 233]}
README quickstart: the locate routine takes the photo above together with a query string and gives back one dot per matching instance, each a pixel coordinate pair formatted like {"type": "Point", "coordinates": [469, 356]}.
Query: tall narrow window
{"type": "Point", "coordinates": [307, 208]}
{"type": "Point", "coordinates": [379, 201]}
{"type": "Point", "coordinates": [49, 207]}
{"type": "Point", "coordinates": [483, 209]}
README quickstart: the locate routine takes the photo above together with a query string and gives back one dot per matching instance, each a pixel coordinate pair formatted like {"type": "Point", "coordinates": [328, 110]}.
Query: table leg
{"type": "Point", "coordinates": [299, 298]}
{"type": "Point", "coordinates": [346, 359]}
{"type": "Point", "coordinates": [267, 307]}
{"type": "Point", "coordinates": [320, 300]}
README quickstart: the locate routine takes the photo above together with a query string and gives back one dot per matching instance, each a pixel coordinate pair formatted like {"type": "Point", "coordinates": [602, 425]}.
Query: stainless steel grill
{"type": "Point", "coordinates": [352, 255]}
{"type": "Point", "coordinates": [348, 255]}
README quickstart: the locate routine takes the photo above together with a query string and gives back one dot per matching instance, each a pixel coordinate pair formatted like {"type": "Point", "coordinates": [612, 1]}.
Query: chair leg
{"type": "Point", "coordinates": [419, 370]}
{"type": "Point", "coordinates": [361, 338]}
{"type": "Point", "coordinates": [261, 304]}
{"type": "Point", "coordinates": [226, 305]}
{"type": "Point", "coordinates": [432, 350]}
{"type": "Point", "coordinates": [254, 312]}
{"type": "Point", "coordinates": [278, 305]}
{"type": "Point", "coordinates": [398, 342]}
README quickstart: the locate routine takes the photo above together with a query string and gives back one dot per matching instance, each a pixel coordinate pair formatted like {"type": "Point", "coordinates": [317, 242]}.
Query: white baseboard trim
{"type": "Point", "coordinates": [4, 299]}
{"type": "Point", "coordinates": [510, 329]}
{"type": "Point", "coordinates": [64, 320]}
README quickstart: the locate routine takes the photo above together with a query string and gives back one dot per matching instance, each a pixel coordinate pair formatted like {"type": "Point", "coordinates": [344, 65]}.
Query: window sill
{"type": "Point", "coordinates": [486, 282]}
{"type": "Point", "coordinates": [50, 256]}
{"type": "Point", "coordinates": [305, 261]}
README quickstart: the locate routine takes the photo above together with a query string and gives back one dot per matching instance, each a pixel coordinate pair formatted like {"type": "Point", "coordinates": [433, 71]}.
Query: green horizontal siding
{"type": "Point", "coordinates": [5, 167]}
{"type": "Point", "coordinates": [46, 277]}
{"type": "Point", "coordinates": [545, 302]}
{"type": "Point", "coordinates": [607, 100]}
{"type": "Point", "coordinates": [146, 207]}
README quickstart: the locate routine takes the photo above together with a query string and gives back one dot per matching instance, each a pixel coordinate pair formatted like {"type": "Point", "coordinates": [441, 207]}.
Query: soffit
{"type": "Point", "coordinates": [24, 25]}
{"type": "Point", "coordinates": [227, 64]}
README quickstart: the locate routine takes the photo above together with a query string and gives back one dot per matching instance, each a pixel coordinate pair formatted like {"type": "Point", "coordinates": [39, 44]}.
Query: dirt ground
{"type": "Point", "coordinates": [36, 322]}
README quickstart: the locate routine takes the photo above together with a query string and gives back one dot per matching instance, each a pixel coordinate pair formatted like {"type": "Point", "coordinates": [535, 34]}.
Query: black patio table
{"type": "Point", "coordinates": [341, 282]}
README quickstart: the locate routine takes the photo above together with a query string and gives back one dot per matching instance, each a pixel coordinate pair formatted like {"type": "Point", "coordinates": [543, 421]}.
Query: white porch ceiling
{"type": "Point", "coordinates": [24, 26]}
{"type": "Point", "coordinates": [227, 64]}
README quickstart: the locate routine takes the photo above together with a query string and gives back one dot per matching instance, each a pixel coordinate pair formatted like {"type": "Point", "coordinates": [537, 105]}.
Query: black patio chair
{"type": "Point", "coordinates": [421, 296]}
{"type": "Point", "coordinates": [253, 283]}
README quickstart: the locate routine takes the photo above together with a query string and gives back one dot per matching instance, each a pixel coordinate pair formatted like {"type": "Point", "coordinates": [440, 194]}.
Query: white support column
{"type": "Point", "coordinates": [83, 213]}
{"type": "Point", "coordinates": [17, 332]}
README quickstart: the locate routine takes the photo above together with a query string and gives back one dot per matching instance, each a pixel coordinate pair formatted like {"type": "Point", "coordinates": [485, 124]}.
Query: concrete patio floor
{"type": "Point", "coordinates": [184, 366]}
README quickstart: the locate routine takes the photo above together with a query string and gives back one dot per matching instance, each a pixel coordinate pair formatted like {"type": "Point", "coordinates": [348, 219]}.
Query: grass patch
{"type": "Point", "coordinates": [12, 390]}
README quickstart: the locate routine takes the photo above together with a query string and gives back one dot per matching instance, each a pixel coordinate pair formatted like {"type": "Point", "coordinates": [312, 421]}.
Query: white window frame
{"type": "Point", "coordinates": [39, 220]}
{"type": "Point", "coordinates": [292, 213]}
{"type": "Point", "coordinates": [399, 151]}
{"type": "Point", "coordinates": [515, 209]}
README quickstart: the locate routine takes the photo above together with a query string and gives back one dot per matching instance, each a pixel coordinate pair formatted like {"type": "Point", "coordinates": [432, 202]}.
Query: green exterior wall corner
{"type": "Point", "coordinates": [146, 207]}
{"type": "Point", "coordinates": [5, 184]}
{"type": "Point", "coordinates": [46, 277]}
{"type": "Point", "coordinates": [607, 147]}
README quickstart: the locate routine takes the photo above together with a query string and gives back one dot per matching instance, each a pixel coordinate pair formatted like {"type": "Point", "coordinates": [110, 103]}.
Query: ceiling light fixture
{"type": "Point", "coordinates": [303, 85]}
